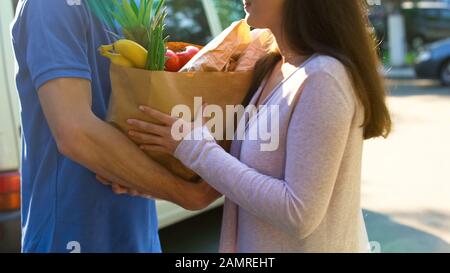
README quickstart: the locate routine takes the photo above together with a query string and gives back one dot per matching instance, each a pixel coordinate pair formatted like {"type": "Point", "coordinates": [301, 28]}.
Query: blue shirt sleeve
{"type": "Point", "coordinates": [56, 45]}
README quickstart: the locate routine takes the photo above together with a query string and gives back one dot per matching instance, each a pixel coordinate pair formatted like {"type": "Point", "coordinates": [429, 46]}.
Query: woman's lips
{"type": "Point", "coordinates": [247, 5]}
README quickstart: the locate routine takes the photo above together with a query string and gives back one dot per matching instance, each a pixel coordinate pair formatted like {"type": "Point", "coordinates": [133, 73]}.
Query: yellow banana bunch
{"type": "Point", "coordinates": [117, 59]}
{"type": "Point", "coordinates": [133, 52]}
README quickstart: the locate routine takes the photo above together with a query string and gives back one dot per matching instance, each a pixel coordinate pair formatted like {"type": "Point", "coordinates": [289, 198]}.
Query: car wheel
{"type": "Point", "coordinates": [445, 73]}
{"type": "Point", "coordinates": [417, 43]}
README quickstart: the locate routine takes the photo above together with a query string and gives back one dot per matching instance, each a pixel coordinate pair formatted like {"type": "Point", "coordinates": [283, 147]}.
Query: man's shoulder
{"type": "Point", "coordinates": [53, 2]}
{"type": "Point", "coordinates": [48, 14]}
{"type": "Point", "coordinates": [53, 6]}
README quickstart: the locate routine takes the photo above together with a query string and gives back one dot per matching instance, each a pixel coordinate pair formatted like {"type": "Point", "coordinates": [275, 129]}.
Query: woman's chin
{"type": "Point", "coordinates": [253, 22]}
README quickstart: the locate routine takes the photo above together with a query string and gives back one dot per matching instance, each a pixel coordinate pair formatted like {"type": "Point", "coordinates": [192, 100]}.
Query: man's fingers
{"type": "Point", "coordinates": [117, 189]}
{"type": "Point", "coordinates": [133, 193]}
{"type": "Point", "coordinates": [147, 196]}
{"type": "Point", "coordinates": [103, 180]}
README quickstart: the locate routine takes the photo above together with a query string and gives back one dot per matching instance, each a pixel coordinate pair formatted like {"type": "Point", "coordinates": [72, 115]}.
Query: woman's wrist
{"type": "Point", "coordinates": [192, 141]}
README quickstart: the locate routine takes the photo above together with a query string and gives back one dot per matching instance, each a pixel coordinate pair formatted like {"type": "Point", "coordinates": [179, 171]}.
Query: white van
{"type": "Point", "coordinates": [195, 21]}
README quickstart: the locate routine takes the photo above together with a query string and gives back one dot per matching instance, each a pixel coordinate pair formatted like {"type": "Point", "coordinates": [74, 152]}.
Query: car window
{"type": "Point", "coordinates": [432, 14]}
{"type": "Point", "coordinates": [229, 11]}
{"type": "Point", "coordinates": [445, 15]}
{"type": "Point", "coordinates": [187, 22]}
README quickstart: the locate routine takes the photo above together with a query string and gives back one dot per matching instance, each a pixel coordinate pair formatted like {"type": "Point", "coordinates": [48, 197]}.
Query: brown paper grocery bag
{"type": "Point", "coordinates": [164, 90]}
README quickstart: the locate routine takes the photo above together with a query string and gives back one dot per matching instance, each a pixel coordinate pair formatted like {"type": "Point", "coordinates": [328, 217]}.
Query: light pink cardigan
{"type": "Point", "coordinates": [304, 196]}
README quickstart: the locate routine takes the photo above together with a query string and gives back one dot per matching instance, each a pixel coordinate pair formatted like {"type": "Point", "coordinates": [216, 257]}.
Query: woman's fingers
{"type": "Point", "coordinates": [157, 115]}
{"type": "Point", "coordinates": [141, 138]}
{"type": "Point", "coordinates": [149, 127]}
{"type": "Point", "coordinates": [152, 136]}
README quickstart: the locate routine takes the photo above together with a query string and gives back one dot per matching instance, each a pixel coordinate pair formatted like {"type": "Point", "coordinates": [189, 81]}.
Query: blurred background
{"type": "Point", "coordinates": [406, 178]}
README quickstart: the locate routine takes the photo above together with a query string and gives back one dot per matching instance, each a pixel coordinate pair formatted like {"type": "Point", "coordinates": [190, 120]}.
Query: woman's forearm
{"type": "Point", "coordinates": [267, 197]}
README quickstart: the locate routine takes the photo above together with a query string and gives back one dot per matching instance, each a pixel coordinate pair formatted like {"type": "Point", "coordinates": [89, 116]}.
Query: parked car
{"type": "Point", "coordinates": [426, 22]}
{"type": "Point", "coordinates": [433, 62]}
{"type": "Point", "coordinates": [195, 21]}
{"type": "Point", "coordinates": [378, 19]}
{"type": "Point", "coordinates": [9, 139]}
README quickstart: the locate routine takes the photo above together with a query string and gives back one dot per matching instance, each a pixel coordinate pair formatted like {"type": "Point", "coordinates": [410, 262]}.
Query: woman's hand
{"type": "Point", "coordinates": [158, 137]}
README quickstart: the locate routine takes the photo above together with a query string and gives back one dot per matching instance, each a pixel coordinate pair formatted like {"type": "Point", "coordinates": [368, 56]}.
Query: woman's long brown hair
{"type": "Point", "coordinates": [340, 29]}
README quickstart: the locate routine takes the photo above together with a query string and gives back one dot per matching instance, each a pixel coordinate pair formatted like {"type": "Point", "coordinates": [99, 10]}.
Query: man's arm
{"type": "Point", "coordinates": [93, 143]}
{"type": "Point", "coordinates": [57, 73]}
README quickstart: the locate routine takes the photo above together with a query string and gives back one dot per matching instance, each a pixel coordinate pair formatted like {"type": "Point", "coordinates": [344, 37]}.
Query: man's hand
{"type": "Point", "coordinates": [198, 195]}
{"type": "Point", "coordinates": [121, 190]}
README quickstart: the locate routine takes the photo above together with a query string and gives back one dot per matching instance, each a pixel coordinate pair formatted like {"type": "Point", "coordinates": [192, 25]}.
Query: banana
{"type": "Point", "coordinates": [117, 59]}
{"type": "Point", "coordinates": [133, 51]}
{"type": "Point", "coordinates": [130, 50]}
{"type": "Point", "coordinates": [106, 48]}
